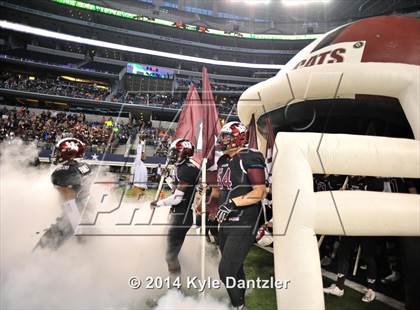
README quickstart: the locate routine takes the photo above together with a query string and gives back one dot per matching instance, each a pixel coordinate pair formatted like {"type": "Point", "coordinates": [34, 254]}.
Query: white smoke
{"type": "Point", "coordinates": [92, 274]}
{"type": "Point", "coordinates": [174, 300]}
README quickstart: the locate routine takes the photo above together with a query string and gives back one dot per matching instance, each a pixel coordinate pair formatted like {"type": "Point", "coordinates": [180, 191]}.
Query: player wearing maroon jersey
{"type": "Point", "coordinates": [241, 186]}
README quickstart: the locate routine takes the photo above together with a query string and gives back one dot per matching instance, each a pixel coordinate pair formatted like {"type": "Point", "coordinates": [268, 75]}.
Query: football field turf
{"type": "Point", "coordinates": [259, 263]}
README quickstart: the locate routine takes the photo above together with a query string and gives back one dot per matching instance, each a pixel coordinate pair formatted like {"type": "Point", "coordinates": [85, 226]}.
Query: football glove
{"type": "Point", "coordinates": [224, 210]}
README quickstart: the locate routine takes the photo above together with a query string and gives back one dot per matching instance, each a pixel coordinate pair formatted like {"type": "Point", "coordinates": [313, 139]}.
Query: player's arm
{"type": "Point", "coordinates": [64, 181]}
{"type": "Point", "coordinates": [215, 192]}
{"type": "Point", "coordinates": [253, 197]}
{"type": "Point", "coordinates": [256, 175]}
{"type": "Point", "coordinates": [178, 194]}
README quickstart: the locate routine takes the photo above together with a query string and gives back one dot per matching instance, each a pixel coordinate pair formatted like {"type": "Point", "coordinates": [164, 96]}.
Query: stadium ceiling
{"type": "Point", "coordinates": [189, 27]}
{"type": "Point", "coordinates": [307, 11]}
{"type": "Point", "coordinates": [81, 40]}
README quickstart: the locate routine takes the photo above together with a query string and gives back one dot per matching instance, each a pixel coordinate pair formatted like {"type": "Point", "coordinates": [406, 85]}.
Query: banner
{"type": "Point", "coordinates": [211, 123]}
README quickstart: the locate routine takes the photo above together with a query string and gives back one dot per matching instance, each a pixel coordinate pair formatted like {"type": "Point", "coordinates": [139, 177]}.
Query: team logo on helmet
{"type": "Point", "coordinates": [232, 135]}
{"type": "Point", "coordinates": [264, 237]}
{"type": "Point", "coordinates": [180, 150]}
{"type": "Point", "coordinates": [67, 149]}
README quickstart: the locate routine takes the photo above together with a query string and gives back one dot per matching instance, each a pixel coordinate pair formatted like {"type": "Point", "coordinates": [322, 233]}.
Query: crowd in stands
{"type": "Point", "coordinates": [184, 84]}
{"type": "Point", "coordinates": [53, 86]}
{"type": "Point", "coordinates": [72, 64]}
{"type": "Point", "coordinates": [225, 105]}
{"type": "Point", "coordinates": [156, 99]}
{"type": "Point", "coordinates": [63, 87]}
{"type": "Point", "coordinates": [48, 127]}
{"type": "Point", "coordinates": [40, 61]}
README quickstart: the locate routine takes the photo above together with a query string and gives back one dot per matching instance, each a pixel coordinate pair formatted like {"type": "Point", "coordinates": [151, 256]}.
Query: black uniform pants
{"type": "Point", "coordinates": [411, 268]}
{"type": "Point", "coordinates": [368, 248]}
{"type": "Point", "coordinates": [235, 241]}
{"type": "Point", "coordinates": [180, 223]}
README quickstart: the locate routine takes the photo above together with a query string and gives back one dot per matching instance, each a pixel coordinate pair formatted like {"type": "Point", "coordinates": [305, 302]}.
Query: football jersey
{"type": "Point", "coordinates": [331, 182]}
{"type": "Point", "coordinates": [400, 185]}
{"type": "Point", "coordinates": [232, 176]}
{"type": "Point", "coordinates": [365, 183]}
{"type": "Point", "coordinates": [72, 174]}
{"type": "Point", "coordinates": [186, 173]}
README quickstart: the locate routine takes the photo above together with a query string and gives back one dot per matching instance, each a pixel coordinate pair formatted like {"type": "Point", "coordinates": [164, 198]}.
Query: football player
{"type": "Point", "coordinates": [181, 217]}
{"type": "Point", "coordinates": [367, 244]}
{"type": "Point", "coordinates": [241, 187]}
{"type": "Point", "coordinates": [69, 179]}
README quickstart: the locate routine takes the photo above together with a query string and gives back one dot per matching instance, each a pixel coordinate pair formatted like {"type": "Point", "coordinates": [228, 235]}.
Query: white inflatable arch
{"type": "Point", "coordinates": [299, 213]}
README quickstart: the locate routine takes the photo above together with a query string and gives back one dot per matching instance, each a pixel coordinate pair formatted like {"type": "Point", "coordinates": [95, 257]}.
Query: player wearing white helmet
{"type": "Point", "coordinates": [181, 217]}
{"type": "Point", "coordinates": [69, 179]}
{"type": "Point", "coordinates": [241, 186]}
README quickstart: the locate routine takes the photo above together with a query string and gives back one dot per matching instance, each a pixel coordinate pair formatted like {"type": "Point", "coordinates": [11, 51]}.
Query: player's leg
{"type": "Point", "coordinates": [241, 276]}
{"type": "Point", "coordinates": [235, 244]}
{"type": "Point", "coordinates": [56, 234]}
{"type": "Point", "coordinates": [411, 266]}
{"type": "Point", "coordinates": [343, 255]}
{"type": "Point", "coordinates": [179, 226]}
{"type": "Point", "coordinates": [368, 245]}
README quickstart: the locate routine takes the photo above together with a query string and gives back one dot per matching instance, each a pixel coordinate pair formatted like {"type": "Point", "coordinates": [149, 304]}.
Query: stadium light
{"type": "Point", "coordinates": [67, 37]}
{"type": "Point", "coordinates": [302, 2]}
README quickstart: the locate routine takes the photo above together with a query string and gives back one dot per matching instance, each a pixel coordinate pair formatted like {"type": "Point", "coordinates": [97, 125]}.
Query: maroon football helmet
{"type": "Point", "coordinates": [232, 135]}
{"type": "Point", "coordinates": [264, 237]}
{"type": "Point", "coordinates": [180, 149]}
{"type": "Point", "coordinates": [67, 149]}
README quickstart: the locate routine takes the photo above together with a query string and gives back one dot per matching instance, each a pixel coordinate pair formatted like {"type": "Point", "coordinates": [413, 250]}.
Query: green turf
{"type": "Point", "coordinates": [260, 263]}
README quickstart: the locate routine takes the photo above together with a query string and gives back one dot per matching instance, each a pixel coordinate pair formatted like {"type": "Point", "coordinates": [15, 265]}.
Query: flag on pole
{"type": "Point", "coordinates": [252, 132]}
{"type": "Point", "coordinates": [211, 129]}
{"type": "Point", "coordinates": [190, 122]}
{"type": "Point", "coordinates": [211, 123]}
{"type": "Point", "coordinates": [270, 147]}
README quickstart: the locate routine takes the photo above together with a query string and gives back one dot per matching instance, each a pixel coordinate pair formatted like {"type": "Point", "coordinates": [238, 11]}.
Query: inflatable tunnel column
{"type": "Point", "coordinates": [299, 213]}
{"type": "Point", "coordinates": [295, 246]}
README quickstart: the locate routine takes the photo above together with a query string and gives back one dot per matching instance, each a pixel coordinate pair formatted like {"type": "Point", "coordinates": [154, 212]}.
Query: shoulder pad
{"type": "Point", "coordinates": [221, 159]}
{"type": "Point", "coordinates": [193, 163]}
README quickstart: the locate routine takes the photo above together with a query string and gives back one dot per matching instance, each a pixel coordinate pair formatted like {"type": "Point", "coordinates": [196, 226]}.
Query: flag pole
{"type": "Point", "coordinates": [203, 218]}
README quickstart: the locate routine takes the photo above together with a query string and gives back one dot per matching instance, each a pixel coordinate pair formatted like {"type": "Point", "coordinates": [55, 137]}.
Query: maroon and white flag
{"type": "Point", "coordinates": [190, 122]}
{"type": "Point", "coordinates": [211, 122]}
{"type": "Point", "coordinates": [252, 134]}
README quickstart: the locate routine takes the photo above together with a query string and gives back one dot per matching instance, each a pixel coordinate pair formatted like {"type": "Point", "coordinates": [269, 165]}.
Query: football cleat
{"type": "Point", "coordinates": [391, 278]}
{"type": "Point", "coordinates": [369, 296]}
{"type": "Point", "coordinates": [334, 290]}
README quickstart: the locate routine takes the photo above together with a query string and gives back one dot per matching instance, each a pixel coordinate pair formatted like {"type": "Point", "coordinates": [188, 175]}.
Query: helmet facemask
{"type": "Point", "coordinates": [232, 137]}
{"type": "Point", "coordinates": [180, 150]}
{"type": "Point", "coordinates": [173, 156]}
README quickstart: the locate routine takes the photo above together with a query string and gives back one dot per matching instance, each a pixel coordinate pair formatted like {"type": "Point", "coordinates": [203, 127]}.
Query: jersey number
{"type": "Point", "coordinates": [225, 180]}
{"type": "Point", "coordinates": [83, 169]}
